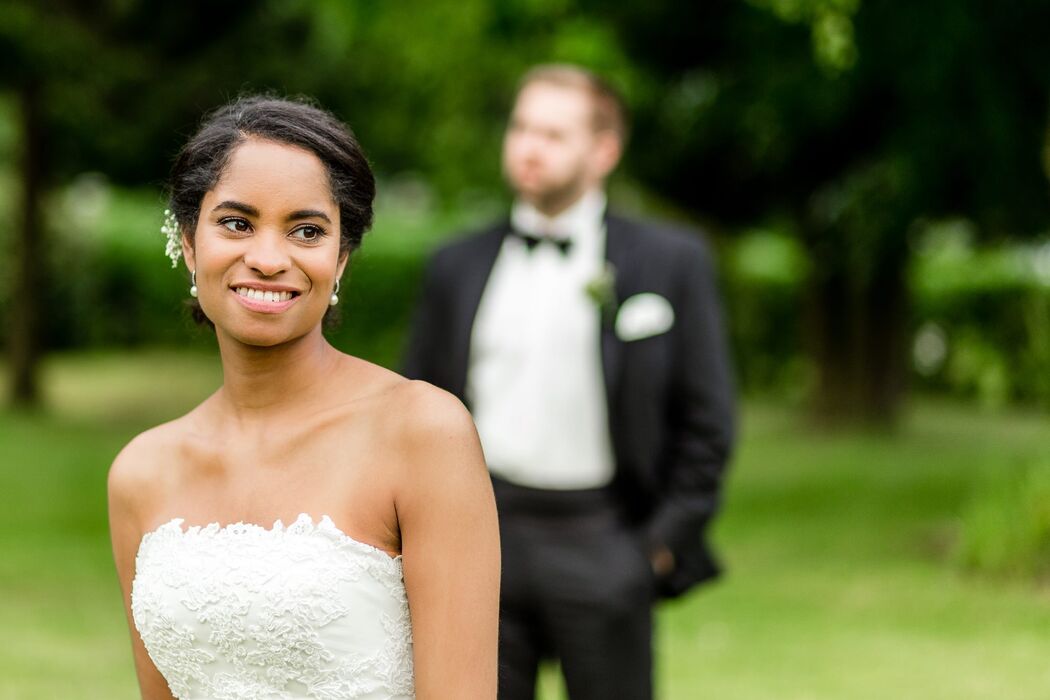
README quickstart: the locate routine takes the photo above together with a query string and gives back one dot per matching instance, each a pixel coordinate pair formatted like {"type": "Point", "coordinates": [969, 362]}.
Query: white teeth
{"type": "Point", "coordinates": [261, 295]}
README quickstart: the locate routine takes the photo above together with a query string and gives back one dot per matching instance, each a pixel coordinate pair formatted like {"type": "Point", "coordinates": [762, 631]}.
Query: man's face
{"type": "Point", "coordinates": [551, 152]}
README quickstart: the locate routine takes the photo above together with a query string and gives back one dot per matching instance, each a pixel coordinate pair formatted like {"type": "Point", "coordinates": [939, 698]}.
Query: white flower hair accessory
{"type": "Point", "coordinates": [170, 228]}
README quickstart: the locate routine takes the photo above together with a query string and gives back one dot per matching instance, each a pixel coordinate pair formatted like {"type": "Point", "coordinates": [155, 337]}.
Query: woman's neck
{"type": "Point", "coordinates": [259, 382]}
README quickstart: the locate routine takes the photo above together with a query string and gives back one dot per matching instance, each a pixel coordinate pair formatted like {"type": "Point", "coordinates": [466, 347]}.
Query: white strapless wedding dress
{"type": "Point", "coordinates": [247, 613]}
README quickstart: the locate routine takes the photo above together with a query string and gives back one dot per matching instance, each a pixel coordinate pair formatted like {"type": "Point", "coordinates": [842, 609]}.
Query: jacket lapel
{"type": "Point", "coordinates": [475, 274]}
{"type": "Point", "coordinates": [619, 243]}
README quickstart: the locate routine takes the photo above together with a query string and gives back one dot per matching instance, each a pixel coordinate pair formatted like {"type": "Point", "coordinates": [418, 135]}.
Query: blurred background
{"type": "Point", "coordinates": [872, 174]}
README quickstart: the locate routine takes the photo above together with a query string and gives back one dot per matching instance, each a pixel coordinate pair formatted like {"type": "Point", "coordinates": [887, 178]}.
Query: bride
{"type": "Point", "coordinates": [319, 527]}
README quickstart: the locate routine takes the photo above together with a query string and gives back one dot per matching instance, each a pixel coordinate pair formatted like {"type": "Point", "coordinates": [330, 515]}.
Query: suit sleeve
{"type": "Point", "coordinates": [427, 329]}
{"type": "Point", "coordinates": [700, 418]}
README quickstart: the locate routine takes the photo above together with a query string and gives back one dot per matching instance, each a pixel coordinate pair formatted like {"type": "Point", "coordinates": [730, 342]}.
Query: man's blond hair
{"type": "Point", "coordinates": [610, 110]}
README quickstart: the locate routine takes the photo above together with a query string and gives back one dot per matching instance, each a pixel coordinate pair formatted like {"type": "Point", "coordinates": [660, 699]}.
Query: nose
{"type": "Point", "coordinates": [520, 154]}
{"type": "Point", "coordinates": [529, 144]}
{"type": "Point", "coordinates": [266, 254]}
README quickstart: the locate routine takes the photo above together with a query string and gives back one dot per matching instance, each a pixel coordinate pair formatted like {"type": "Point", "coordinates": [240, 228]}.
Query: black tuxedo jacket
{"type": "Point", "coordinates": [670, 398]}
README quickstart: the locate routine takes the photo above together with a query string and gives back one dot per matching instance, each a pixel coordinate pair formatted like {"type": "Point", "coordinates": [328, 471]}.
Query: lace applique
{"type": "Point", "coordinates": [245, 612]}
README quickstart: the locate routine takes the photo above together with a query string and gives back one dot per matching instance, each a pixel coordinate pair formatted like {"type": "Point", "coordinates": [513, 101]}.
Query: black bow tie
{"type": "Point", "coordinates": [562, 244]}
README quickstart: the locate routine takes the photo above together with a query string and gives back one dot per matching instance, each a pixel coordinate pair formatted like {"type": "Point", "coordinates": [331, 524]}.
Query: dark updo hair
{"type": "Point", "coordinates": [203, 159]}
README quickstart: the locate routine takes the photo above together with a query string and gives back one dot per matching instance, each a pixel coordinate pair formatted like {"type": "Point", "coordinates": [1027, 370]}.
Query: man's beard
{"type": "Point", "coordinates": [555, 199]}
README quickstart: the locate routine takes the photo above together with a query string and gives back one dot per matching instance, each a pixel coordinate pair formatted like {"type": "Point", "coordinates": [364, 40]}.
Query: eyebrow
{"type": "Point", "coordinates": [249, 210]}
{"type": "Point", "coordinates": [237, 206]}
{"type": "Point", "coordinates": [308, 214]}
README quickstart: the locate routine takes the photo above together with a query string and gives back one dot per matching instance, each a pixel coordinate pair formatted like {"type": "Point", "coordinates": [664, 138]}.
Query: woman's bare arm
{"type": "Point", "coordinates": [128, 487]}
{"type": "Point", "coordinates": [450, 545]}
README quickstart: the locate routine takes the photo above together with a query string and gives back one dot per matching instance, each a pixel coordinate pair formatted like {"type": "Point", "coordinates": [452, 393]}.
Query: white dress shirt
{"type": "Point", "coordinates": [535, 381]}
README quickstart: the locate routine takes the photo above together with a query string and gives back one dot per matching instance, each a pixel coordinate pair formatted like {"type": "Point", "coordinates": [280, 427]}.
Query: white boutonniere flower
{"type": "Point", "coordinates": [602, 291]}
{"type": "Point", "coordinates": [642, 316]}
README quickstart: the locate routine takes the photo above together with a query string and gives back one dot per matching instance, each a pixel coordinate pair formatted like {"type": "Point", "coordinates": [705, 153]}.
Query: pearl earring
{"type": "Point", "coordinates": [193, 283]}
{"type": "Point", "coordinates": [335, 295]}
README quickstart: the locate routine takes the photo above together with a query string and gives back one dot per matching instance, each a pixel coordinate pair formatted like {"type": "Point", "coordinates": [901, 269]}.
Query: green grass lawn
{"type": "Point", "coordinates": [840, 582]}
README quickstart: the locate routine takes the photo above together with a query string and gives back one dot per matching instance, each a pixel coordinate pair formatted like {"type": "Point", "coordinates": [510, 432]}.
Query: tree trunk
{"type": "Point", "coordinates": [25, 345]}
{"type": "Point", "coordinates": [856, 330]}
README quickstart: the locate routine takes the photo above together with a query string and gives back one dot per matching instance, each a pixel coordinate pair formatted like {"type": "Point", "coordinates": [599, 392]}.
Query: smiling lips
{"type": "Point", "coordinates": [267, 301]}
{"type": "Point", "coordinates": [262, 295]}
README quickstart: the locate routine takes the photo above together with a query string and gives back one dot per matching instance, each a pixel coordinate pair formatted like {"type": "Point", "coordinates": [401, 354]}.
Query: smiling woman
{"type": "Point", "coordinates": [345, 210]}
{"type": "Point", "coordinates": [391, 546]}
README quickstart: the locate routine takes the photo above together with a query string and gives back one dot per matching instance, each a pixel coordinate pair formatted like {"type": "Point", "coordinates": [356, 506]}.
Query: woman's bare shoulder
{"type": "Point", "coordinates": [423, 414]}
{"type": "Point", "coordinates": [434, 437]}
{"type": "Point", "coordinates": [148, 463]}
{"type": "Point", "coordinates": [139, 458]}
{"type": "Point", "coordinates": [410, 408]}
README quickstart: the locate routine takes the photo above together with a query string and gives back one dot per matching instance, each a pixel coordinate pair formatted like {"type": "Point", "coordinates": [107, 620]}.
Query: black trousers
{"type": "Point", "coordinates": [577, 587]}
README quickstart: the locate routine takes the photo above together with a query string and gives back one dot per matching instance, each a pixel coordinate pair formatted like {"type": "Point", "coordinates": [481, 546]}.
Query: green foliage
{"type": "Point", "coordinates": [852, 119]}
{"type": "Point", "coordinates": [1005, 530]}
{"type": "Point", "coordinates": [114, 286]}
{"type": "Point", "coordinates": [831, 25]}
{"type": "Point", "coordinates": [980, 316]}
{"type": "Point", "coordinates": [989, 308]}
{"type": "Point", "coordinates": [763, 273]}
{"type": "Point", "coordinates": [811, 93]}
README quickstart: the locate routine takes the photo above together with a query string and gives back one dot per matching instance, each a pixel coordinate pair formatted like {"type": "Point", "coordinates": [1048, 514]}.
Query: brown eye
{"type": "Point", "coordinates": [308, 234]}
{"type": "Point", "coordinates": [236, 225]}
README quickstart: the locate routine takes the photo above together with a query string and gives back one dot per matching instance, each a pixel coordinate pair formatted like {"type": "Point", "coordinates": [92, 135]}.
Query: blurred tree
{"type": "Point", "coordinates": [23, 75]}
{"type": "Point", "coordinates": [851, 121]}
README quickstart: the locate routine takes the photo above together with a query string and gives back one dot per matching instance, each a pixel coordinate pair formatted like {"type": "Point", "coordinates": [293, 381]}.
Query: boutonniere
{"type": "Point", "coordinates": [602, 291]}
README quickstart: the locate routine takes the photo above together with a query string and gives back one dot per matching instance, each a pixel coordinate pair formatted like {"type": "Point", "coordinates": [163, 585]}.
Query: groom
{"type": "Point", "coordinates": [590, 350]}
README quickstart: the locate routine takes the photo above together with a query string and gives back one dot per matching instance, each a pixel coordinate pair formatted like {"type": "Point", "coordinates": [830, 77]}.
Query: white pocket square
{"type": "Point", "coordinates": [643, 315]}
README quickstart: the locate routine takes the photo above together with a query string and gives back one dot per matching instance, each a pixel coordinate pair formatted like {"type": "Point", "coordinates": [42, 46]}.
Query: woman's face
{"type": "Point", "coordinates": [266, 248]}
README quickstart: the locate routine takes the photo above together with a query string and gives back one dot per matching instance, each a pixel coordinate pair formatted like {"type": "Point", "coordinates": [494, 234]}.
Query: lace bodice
{"type": "Point", "coordinates": [248, 613]}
